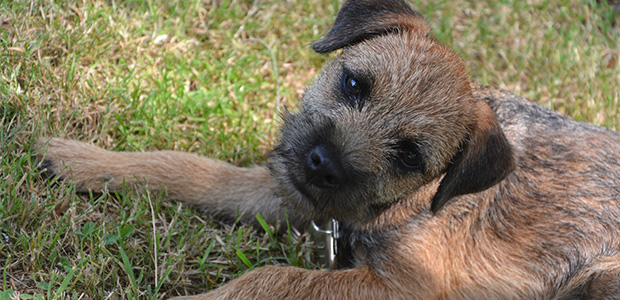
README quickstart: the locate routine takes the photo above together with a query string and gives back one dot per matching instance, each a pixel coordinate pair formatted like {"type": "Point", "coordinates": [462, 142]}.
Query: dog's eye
{"type": "Point", "coordinates": [353, 87]}
{"type": "Point", "coordinates": [409, 156]}
{"type": "Point", "coordinates": [410, 159]}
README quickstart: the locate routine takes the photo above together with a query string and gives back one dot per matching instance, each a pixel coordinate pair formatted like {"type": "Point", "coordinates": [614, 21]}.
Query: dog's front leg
{"type": "Point", "coordinates": [218, 188]}
{"type": "Point", "coordinates": [295, 283]}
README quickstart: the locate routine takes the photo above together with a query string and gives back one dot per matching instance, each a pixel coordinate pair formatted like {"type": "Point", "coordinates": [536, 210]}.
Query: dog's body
{"type": "Point", "coordinates": [447, 190]}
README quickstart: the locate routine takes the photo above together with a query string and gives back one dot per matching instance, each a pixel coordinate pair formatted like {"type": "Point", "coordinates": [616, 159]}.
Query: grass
{"type": "Point", "coordinates": [209, 77]}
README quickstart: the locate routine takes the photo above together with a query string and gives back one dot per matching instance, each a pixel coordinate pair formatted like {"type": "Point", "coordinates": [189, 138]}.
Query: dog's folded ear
{"type": "Point", "coordinates": [485, 159]}
{"type": "Point", "coordinates": [359, 20]}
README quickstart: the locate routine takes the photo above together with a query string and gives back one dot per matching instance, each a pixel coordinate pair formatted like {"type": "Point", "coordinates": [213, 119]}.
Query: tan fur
{"type": "Point", "coordinates": [207, 184]}
{"type": "Point", "coordinates": [446, 189]}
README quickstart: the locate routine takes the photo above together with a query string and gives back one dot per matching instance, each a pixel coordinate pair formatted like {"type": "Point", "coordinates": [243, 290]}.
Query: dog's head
{"type": "Point", "coordinates": [390, 114]}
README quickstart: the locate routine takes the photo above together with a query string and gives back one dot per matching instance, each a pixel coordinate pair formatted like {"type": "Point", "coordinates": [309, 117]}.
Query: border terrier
{"type": "Point", "coordinates": [444, 189]}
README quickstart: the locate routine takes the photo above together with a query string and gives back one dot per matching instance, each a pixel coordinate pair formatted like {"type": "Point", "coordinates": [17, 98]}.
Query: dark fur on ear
{"type": "Point", "coordinates": [485, 159]}
{"type": "Point", "coordinates": [359, 20]}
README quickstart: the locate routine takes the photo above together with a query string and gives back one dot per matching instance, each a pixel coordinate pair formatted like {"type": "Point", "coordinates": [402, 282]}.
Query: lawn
{"type": "Point", "coordinates": [209, 77]}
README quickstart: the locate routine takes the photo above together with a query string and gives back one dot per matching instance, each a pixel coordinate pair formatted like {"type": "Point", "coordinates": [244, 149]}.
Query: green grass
{"type": "Point", "coordinates": [209, 78]}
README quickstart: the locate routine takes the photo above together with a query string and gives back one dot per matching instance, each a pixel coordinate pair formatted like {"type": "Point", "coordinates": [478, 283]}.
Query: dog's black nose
{"type": "Point", "coordinates": [323, 169]}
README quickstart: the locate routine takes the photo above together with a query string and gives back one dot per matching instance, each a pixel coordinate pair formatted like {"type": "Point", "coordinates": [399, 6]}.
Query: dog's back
{"type": "Point", "coordinates": [562, 202]}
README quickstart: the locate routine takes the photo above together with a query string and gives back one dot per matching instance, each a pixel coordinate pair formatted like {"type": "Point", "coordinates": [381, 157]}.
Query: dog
{"type": "Point", "coordinates": [444, 189]}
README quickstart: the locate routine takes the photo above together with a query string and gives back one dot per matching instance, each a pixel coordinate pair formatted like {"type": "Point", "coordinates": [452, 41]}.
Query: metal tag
{"type": "Point", "coordinates": [326, 242]}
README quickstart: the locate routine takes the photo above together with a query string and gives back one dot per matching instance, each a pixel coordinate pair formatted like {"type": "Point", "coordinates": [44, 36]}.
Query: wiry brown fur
{"type": "Point", "coordinates": [502, 198]}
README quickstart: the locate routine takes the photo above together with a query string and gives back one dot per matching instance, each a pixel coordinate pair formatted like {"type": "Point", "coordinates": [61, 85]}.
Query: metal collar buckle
{"type": "Point", "coordinates": [326, 242]}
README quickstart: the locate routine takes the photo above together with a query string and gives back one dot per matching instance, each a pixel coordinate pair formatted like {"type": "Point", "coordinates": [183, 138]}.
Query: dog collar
{"type": "Point", "coordinates": [326, 240]}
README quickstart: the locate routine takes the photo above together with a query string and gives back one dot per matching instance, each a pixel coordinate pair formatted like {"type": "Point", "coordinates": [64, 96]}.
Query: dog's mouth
{"type": "Point", "coordinates": [303, 191]}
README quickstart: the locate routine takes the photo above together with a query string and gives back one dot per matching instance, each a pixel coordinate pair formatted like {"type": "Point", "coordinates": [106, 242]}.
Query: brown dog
{"type": "Point", "coordinates": [445, 189]}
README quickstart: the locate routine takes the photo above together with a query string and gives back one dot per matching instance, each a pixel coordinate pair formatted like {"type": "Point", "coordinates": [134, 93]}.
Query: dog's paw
{"type": "Point", "coordinates": [62, 159]}
{"type": "Point", "coordinates": [47, 160]}
{"type": "Point", "coordinates": [47, 168]}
